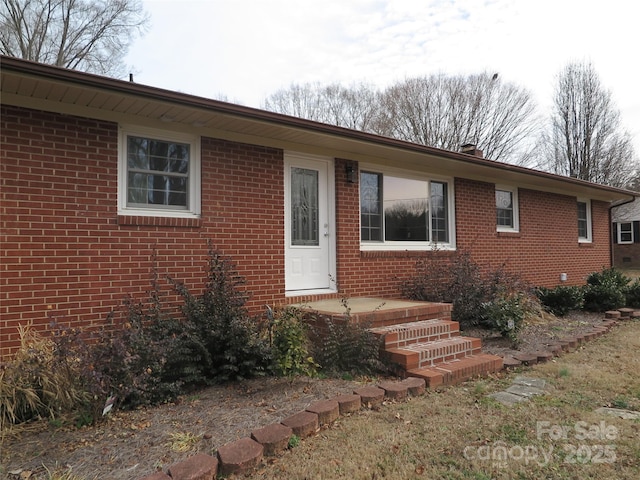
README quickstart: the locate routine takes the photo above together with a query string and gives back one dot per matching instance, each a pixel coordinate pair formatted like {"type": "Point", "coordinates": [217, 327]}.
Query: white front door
{"type": "Point", "coordinates": [309, 227]}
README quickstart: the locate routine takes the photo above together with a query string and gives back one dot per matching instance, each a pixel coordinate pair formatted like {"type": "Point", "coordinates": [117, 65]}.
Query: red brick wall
{"type": "Point", "coordinates": [626, 255]}
{"type": "Point", "coordinates": [66, 253]}
{"type": "Point", "coordinates": [547, 243]}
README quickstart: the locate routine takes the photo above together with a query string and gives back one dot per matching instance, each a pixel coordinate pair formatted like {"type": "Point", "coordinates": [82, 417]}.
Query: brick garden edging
{"type": "Point", "coordinates": [245, 454]}
{"type": "Point", "coordinates": [566, 344]}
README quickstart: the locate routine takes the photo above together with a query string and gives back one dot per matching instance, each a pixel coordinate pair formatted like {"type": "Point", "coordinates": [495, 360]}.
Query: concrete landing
{"type": "Point", "coordinates": [358, 305]}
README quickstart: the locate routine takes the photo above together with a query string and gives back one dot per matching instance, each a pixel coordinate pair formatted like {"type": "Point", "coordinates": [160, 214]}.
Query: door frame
{"type": "Point", "coordinates": [290, 159]}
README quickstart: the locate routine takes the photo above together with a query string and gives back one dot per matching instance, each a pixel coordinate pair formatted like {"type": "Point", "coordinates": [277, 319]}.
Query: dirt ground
{"type": "Point", "coordinates": [132, 444]}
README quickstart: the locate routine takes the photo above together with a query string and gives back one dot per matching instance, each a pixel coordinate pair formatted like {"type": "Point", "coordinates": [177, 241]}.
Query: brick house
{"type": "Point", "coordinates": [626, 234]}
{"type": "Point", "coordinates": [97, 175]}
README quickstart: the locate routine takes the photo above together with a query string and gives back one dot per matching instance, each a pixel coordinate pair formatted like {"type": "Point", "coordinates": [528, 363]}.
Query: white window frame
{"type": "Point", "coordinates": [412, 246]}
{"type": "Point", "coordinates": [194, 189]}
{"type": "Point", "coordinates": [630, 231]}
{"type": "Point", "coordinates": [589, 237]}
{"type": "Point", "coordinates": [516, 208]}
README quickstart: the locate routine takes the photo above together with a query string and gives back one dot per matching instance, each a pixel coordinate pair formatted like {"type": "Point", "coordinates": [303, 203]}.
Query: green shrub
{"type": "Point", "coordinates": [505, 314]}
{"type": "Point", "coordinates": [150, 358]}
{"type": "Point", "coordinates": [290, 343]}
{"type": "Point", "coordinates": [562, 299]}
{"type": "Point", "coordinates": [232, 339]}
{"type": "Point", "coordinates": [344, 346]}
{"type": "Point", "coordinates": [605, 290]}
{"type": "Point", "coordinates": [455, 279]}
{"type": "Point", "coordinates": [475, 293]}
{"type": "Point", "coordinates": [633, 294]}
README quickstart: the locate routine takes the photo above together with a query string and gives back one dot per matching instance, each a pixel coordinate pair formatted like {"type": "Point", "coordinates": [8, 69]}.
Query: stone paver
{"type": "Point", "coordinates": [522, 390]}
{"type": "Point", "coordinates": [530, 382]}
{"type": "Point", "coordinates": [618, 412]}
{"type": "Point", "coordinates": [525, 391]}
{"type": "Point", "coordinates": [507, 398]}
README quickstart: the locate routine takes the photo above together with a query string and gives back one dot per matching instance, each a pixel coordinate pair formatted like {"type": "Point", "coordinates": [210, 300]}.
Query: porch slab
{"type": "Point", "coordinates": [376, 312]}
{"type": "Point", "coordinates": [335, 306]}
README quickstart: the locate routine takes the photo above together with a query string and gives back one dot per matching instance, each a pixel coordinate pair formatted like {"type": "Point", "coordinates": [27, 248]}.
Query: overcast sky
{"type": "Point", "coordinates": [245, 50]}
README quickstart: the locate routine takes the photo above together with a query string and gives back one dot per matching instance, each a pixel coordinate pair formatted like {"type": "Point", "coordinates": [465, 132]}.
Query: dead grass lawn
{"type": "Point", "coordinates": [449, 433]}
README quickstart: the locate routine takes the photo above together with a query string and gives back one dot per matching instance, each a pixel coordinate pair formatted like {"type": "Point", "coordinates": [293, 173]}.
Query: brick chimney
{"type": "Point", "coordinates": [471, 149]}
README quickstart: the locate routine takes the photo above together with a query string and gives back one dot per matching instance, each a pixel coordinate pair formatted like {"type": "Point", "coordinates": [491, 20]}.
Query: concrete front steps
{"type": "Point", "coordinates": [434, 350]}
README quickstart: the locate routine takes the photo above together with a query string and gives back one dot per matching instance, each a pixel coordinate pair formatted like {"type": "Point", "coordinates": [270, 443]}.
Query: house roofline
{"type": "Point", "coordinates": [59, 74]}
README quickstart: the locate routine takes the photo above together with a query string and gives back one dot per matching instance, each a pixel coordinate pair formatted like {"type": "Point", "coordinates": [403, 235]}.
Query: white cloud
{"type": "Point", "coordinates": [247, 49]}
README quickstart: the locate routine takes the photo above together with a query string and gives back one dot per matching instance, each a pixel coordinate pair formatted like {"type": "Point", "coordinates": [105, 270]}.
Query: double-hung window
{"type": "Point", "coordinates": [507, 209]}
{"type": "Point", "coordinates": [584, 221]}
{"type": "Point", "coordinates": [159, 173]}
{"type": "Point", "coordinates": [625, 232]}
{"type": "Point", "coordinates": [404, 213]}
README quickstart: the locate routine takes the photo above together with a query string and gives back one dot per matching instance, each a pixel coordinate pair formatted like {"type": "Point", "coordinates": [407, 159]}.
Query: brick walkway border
{"type": "Point", "coordinates": [245, 454]}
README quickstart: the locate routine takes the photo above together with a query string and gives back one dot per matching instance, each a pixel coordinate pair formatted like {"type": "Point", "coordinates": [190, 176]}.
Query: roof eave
{"type": "Point", "coordinates": [315, 133]}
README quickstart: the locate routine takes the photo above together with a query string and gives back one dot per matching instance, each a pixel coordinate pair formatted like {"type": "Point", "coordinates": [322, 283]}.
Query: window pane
{"type": "Point", "coordinates": [304, 207]}
{"type": "Point", "coordinates": [405, 210]}
{"type": "Point", "coordinates": [158, 172]}
{"type": "Point", "coordinates": [626, 232]}
{"type": "Point", "coordinates": [582, 220]}
{"type": "Point", "coordinates": [504, 208]}
{"type": "Point", "coordinates": [370, 209]}
{"type": "Point", "coordinates": [439, 213]}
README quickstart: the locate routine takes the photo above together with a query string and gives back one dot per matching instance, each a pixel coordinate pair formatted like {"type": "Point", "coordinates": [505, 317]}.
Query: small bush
{"type": "Point", "coordinates": [633, 294]}
{"type": "Point", "coordinates": [232, 339]}
{"type": "Point", "coordinates": [344, 346]}
{"type": "Point", "coordinates": [476, 293]}
{"type": "Point", "coordinates": [290, 344]}
{"type": "Point", "coordinates": [562, 299]}
{"type": "Point", "coordinates": [505, 314]}
{"type": "Point", "coordinates": [605, 290]}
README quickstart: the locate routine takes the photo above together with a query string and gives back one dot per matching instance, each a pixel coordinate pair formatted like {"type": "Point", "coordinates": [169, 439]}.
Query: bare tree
{"type": "Point", "coordinates": [439, 111]}
{"type": "Point", "coordinates": [88, 35]}
{"type": "Point", "coordinates": [352, 107]}
{"type": "Point", "coordinates": [448, 111]}
{"type": "Point", "coordinates": [586, 140]}
{"type": "Point", "coordinates": [301, 101]}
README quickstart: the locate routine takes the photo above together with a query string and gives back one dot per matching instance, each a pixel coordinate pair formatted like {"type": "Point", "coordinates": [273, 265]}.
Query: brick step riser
{"type": "Point", "coordinates": [432, 355]}
{"type": "Point", "coordinates": [420, 334]}
{"type": "Point", "coordinates": [451, 374]}
{"type": "Point", "coordinates": [411, 363]}
{"type": "Point", "coordinates": [385, 322]}
{"type": "Point", "coordinates": [431, 362]}
{"type": "Point", "coordinates": [420, 339]}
